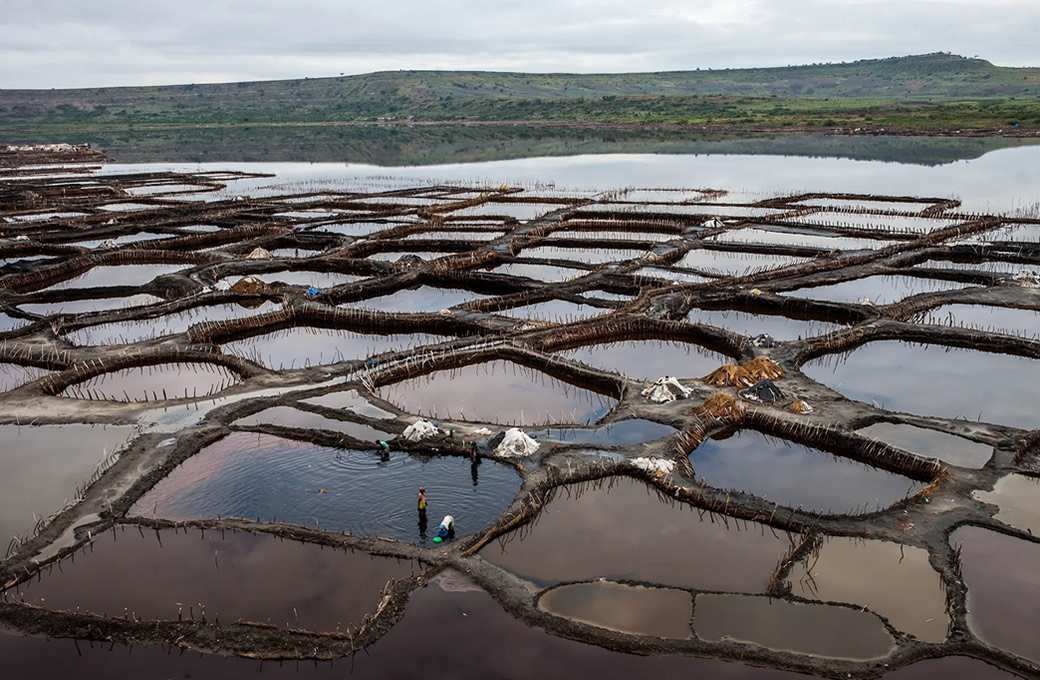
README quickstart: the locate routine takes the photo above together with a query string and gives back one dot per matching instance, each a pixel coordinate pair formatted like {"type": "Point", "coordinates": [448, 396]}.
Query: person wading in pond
{"type": "Point", "coordinates": [421, 503]}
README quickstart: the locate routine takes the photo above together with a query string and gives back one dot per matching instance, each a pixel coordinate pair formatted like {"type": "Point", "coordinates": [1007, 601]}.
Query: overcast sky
{"type": "Point", "coordinates": [88, 43]}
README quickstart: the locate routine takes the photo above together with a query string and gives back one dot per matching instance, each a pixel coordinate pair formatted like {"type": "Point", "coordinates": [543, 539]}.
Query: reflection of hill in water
{"type": "Point", "coordinates": [439, 144]}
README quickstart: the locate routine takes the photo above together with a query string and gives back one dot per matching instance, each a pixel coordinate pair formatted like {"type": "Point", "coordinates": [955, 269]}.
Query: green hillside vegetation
{"type": "Point", "coordinates": [917, 92]}
{"type": "Point", "coordinates": [438, 144]}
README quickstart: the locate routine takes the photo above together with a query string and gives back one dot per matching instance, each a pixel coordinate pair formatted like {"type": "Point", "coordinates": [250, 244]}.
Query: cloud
{"type": "Point", "coordinates": [61, 43]}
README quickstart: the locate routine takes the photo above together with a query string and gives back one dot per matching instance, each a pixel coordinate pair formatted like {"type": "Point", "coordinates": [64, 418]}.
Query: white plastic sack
{"type": "Point", "coordinates": [260, 254]}
{"type": "Point", "coordinates": [657, 466]}
{"type": "Point", "coordinates": [420, 429]}
{"type": "Point", "coordinates": [516, 443]}
{"type": "Point", "coordinates": [666, 389]}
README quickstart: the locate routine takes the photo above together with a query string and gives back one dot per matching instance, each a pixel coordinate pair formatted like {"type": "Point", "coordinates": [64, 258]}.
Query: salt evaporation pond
{"type": "Point", "coordinates": [258, 475]}
{"type": "Point", "coordinates": [935, 380]}
{"type": "Point", "coordinates": [796, 475]}
{"type": "Point", "coordinates": [230, 574]}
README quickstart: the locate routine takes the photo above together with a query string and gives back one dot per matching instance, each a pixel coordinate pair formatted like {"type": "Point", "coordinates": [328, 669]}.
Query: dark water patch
{"type": "Point", "coordinates": [591, 534]}
{"type": "Point", "coordinates": [648, 359]}
{"type": "Point", "coordinates": [92, 305]}
{"type": "Point", "coordinates": [119, 275]}
{"type": "Point", "coordinates": [658, 612]}
{"type": "Point", "coordinates": [632, 431]}
{"type": "Point", "coordinates": [499, 391]}
{"type": "Point", "coordinates": [230, 574]}
{"type": "Point", "coordinates": [881, 290]}
{"type": "Point", "coordinates": [152, 383]}
{"type": "Point", "coordinates": [950, 668]}
{"type": "Point", "coordinates": [931, 443]}
{"type": "Point", "coordinates": [815, 629]}
{"type": "Point", "coordinates": [44, 465]}
{"type": "Point", "coordinates": [303, 345]}
{"type": "Point", "coordinates": [250, 475]}
{"type": "Point", "coordinates": [1008, 320]}
{"type": "Point", "coordinates": [750, 325]}
{"type": "Point", "coordinates": [796, 475]}
{"type": "Point", "coordinates": [935, 380]}
{"type": "Point", "coordinates": [455, 633]}
{"type": "Point", "coordinates": [1003, 589]}
{"type": "Point", "coordinates": [421, 299]}
{"type": "Point", "coordinates": [892, 580]}
{"type": "Point", "coordinates": [125, 332]}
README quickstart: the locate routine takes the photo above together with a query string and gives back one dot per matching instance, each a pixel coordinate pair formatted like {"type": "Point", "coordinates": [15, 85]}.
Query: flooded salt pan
{"type": "Point", "coordinates": [151, 383]}
{"type": "Point", "coordinates": [594, 533]}
{"type": "Point", "coordinates": [931, 443]}
{"type": "Point", "coordinates": [1018, 497]}
{"type": "Point", "coordinates": [44, 465]}
{"type": "Point", "coordinates": [360, 492]}
{"type": "Point", "coordinates": [892, 580]}
{"type": "Point", "coordinates": [658, 612]}
{"type": "Point", "coordinates": [648, 359]}
{"type": "Point", "coordinates": [1003, 589]}
{"type": "Point", "coordinates": [815, 629]}
{"type": "Point", "coordinates": [229, 574]}
{"type": "Point", "coordinates": [500, 391]}
{"type": "Point", "coordinates": [306, 346]}
{"type": "Point", "coordinates": [935, 380]}
{"type": "Point", "coordinates": [796, 476]}
{"type": "Point", "coordinates": [881, 290]}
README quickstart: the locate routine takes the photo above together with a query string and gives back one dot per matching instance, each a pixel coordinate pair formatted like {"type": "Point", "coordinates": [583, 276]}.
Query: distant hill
{"type": "Point", "coordinates": [787, 95]}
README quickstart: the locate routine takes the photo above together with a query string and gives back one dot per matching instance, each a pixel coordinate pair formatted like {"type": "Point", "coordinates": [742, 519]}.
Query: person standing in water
{"type": "Point", "coordinates": [421, 502]}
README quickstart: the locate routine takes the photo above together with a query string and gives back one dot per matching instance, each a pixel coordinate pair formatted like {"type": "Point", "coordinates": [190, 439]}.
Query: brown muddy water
{"type": "Point", "coordinates": [1003, 589]}
{"type": "Point", "coordinates": [230, 575]}
{"type": "Point", "coordinates": [1019, 499]}
{"type": "Point", "coordinates": [894, 581]}
{"type": "Point", "coordinates": [625, 531]}
{"type": "Point", "coordinates": [657, 612]}
{"type": "Point", "coordinates": [818, 629]}
{"type": "Point", "coordinates": [44, 465]}
{"type": "Point", "coordinates": [451, 633]}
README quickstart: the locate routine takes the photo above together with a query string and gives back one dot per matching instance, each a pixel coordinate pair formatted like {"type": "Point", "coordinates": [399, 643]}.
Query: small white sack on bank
{"type": "Point", "coordinates": [666, 389]}
{"type": "Point", "coordinates": [657, 466]}
{"type": "Point", "coordinates": [516, 443]}
{"type": "Point", "coordinates": [419, 430]}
